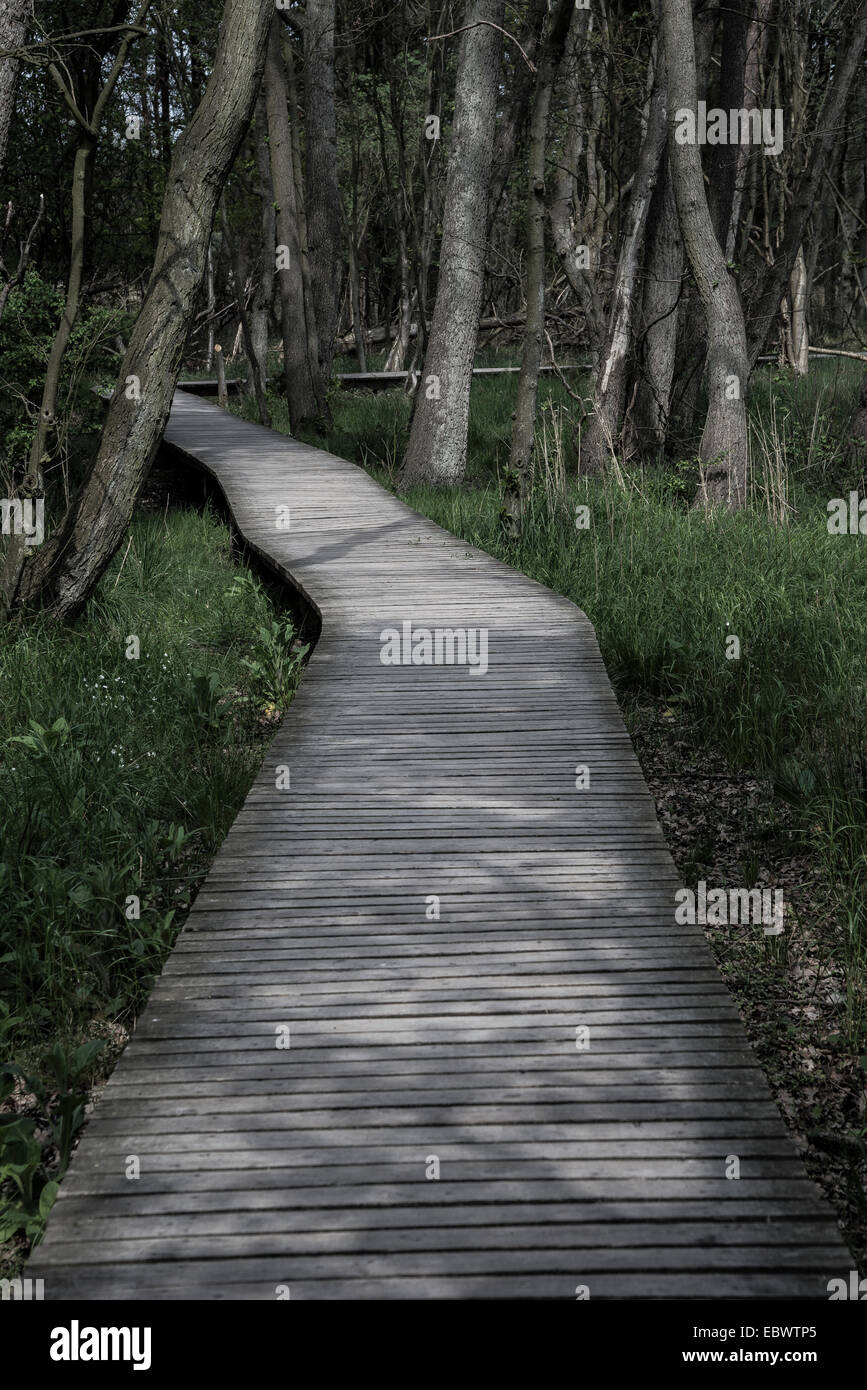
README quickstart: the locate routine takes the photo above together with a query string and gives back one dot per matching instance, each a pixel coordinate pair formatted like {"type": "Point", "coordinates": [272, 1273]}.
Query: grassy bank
{"type": "Point", "coordinates": [129, 743]}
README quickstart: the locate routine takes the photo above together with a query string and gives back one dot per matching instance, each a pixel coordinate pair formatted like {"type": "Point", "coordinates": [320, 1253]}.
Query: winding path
{"type": "Point", "coordinates": [421, 1044]}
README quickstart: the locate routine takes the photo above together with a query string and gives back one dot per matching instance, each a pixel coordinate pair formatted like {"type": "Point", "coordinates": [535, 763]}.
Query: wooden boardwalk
{"type": "Point", "coordinates": [421, 1044]}
{"type": "Point", "coordinates": [374, 381]}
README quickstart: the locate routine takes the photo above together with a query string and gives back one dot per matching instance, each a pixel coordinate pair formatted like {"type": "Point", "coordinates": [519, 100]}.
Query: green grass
{"type": "Point", "coordinates": [119, 779]}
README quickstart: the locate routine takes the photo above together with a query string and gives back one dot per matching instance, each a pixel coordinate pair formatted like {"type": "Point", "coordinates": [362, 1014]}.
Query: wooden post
{"type": "Point", "coordinates": [222, 389]}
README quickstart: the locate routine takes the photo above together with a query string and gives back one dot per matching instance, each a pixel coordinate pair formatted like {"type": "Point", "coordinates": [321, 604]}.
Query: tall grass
{"type": "Point", "coordinates": [120, 777]}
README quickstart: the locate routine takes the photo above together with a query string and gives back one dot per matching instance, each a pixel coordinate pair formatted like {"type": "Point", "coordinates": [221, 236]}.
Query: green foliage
{"type": "Point", "coordinates": [275, 668]}
{"type": "Point", "coordinates": [119, 777]}
{"type": "Point", "coordinates": [30, 1168]}
{"type": "Point", "coordinates": [30, 322]}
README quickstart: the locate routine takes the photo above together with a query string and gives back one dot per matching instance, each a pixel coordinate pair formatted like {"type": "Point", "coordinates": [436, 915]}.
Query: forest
{"type": "Point", "coordinates": [582, 282]}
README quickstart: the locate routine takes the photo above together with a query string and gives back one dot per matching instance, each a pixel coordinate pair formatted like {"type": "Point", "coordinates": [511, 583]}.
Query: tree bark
{"type": "Point", "coordinates": [13, 23]}
{"type": "Point", "coordinates": [766, 302]}
{"type": "Point", "coordinates": [800, 336]}
{"type": "Point", "coordinates": [691, 344]}
{"type": "Point", "coordinates": [51, 384]}
{"type": "Point", "coordinates": [524, 429]}
{"type": "Point", "coordinates": [437, 450]}
{"type": "Point", "coordinates": [515, 116]}
{"type": "Point", "coordinates": [310, 326]}
{"type": "Point", "coordinates": [756, 47]}
{"type": "Point", "coordinates": [724, 441]}
{"type": "Point", "coordinates": [722, 175]}
{"type": "Point", "coordinates": [322, 192]}
{"type": "Point", "coordinates": [61, 574]}
{"type": "Point", "coordinates": [355, 296]}
{"type": "Point", "coordinates": [396, 360]}
{"type": "Point", "coordinates": [254, 365]}
{"type": "Point", "coordinates": [297, 367]}
{"type": "Point", "coordinates": [657, 338]}
{"type": "Point", "coordinates": [602, 433]}
{"type": "Point", "coordinates": [212, 307]}
{"type": "Point", "coordinates": [263, 295]}
{"type": "Point", "coordinates": [567, 224]}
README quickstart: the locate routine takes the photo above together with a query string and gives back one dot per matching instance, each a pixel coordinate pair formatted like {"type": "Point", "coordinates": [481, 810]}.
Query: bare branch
{"type": "Point", "coordinates": [491, 25]}
{"type": "Point", "coordinates": [22, 51]}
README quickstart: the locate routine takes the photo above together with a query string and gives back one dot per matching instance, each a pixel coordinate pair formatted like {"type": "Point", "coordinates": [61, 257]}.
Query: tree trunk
{"type": "Point", "coordinates": [212, 308]}
{"type": "Point", "coordinates": [724, 441]}
{"type": "Point", "coordinates": [766, 302]}
{"type": "Point", "coordinates": [602, 433]}
{"type": "Point", "coordinates": [567, 225]}
{"type": "Point", "coordinates": [254, 366]}
{"type": "Point", "coordinates": [657, 339]}
{"type": "Point", "coordinates": [524, 429]}
{"type": "Point", "coordinates": [798, 321]}
{"type": "Point", "coordinates": [512, 123]}
{"type": "Point", "coordinates": [322, 192]}
{"type": "Point", "coordinates": [13, 23]}
{"type": "Point", "coordinates": [297, 368]}
{"type": "Point", "coordinates": [310, 326]}
{"type": "Point", "coordinates": [437, 450]}
{"type": "Point", "coordinates": [355, 295]}
{"type": "Point", "coordinates": [396, 360]}
{"type": "Point", "coordinates": [222, 387]}
{"type": "Point", "coordinates": [722, 174]}
{"type": "Point", "coordinates": [61, 574]}
{"type": "Point", "coordinates": [691, 344]}
{"type": "Point", "coordinates": [263, 295]}
{"type": "Point", "coordinates": [756, 46]}
{"type": "Point", "coordinates": [51, 385]}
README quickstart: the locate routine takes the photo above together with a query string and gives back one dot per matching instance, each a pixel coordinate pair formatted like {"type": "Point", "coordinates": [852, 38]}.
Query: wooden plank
{"type": "Point", "coordinates": [413, 1036]}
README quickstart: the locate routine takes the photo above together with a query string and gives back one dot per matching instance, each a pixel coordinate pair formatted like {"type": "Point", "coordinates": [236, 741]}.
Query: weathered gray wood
{"type": "Point", "coordinates": [452, 1037]}
{"type": "Point", "coordinates": [379, 381]}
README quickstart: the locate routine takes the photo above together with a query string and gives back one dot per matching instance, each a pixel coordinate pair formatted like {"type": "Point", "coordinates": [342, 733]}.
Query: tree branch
{"type": "Point", "coordinates": [491, 25]}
